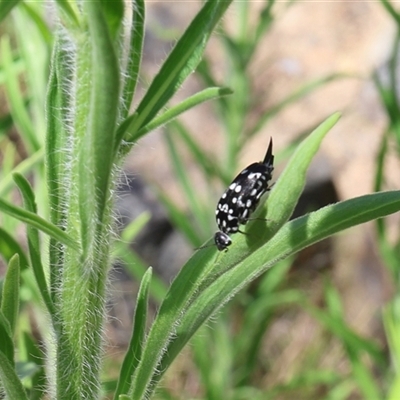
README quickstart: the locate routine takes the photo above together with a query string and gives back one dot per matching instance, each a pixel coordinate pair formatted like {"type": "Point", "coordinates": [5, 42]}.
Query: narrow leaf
{"type": "Point", "coordinates": [113, 12]}
{"type": "Point", "coordinates": [287, 190]}
{"type": "Point", "coordinates": [134, 228]}
{"type": "Point", "coordinates": [209, 166]}
{"type": "Point", "coordinates": [57, 153]}
{"type": "Point", "coordinates": [56, 135]}
{"type": "Point", "coordinates": [185, 105]}
{"type": "Point", "coordinates": [391, 320]}
{"type": "Point", "coordinates": [180, 220]}
{"type": "Point", "coordinates": [38, 222]}
{"type": "Point", "coordinates": [68, 12]}
{"type": "Point", "coordinates": [180, 63]}
{"type": "Point", "coordinates": [36, 356]}
{"type": "Point", "coordinates": [292, 237]}
{"type": "Point", "coordinates": [134, 55]}
{"type": "Point", "coordinates": [350, 339]}
{"type": "Point", "coordinates": [137, 268]}
{"type": "Point", "coordinates": [96, 156]}
{"type": "Point", "coordinates": [9, 246]}
{"type": "Point", "coordinates": [6, 7]}
{"type": "Point", "coordinates": [7, 182]}
{"type": "Point", "coordinates": [293, 97]}
{"type": "Point", "coordinates": [6, 338]}
{"type": "Point", "coordinates": [12, 385]}
{"type": "Point", "coordinates": [134, 351]}
{"type": "Point", "coordinates": [15, 98]}
{"type": "Point", "coordinates": [188, 188]}
{"type": "Point", "coordinates": [34, 243]}
{"type": "Point", "coordinates": [191, 282]}
{"type": "Point", "coordinates": [40, 23]}
{"type": "Point", "coordinates": [393, 13]}
{"type": "Point", "coordinates": [10, 294]}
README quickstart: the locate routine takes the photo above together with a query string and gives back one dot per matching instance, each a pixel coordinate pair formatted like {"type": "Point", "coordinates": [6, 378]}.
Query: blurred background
{"type": "Point", "coordinates": [313, 326]}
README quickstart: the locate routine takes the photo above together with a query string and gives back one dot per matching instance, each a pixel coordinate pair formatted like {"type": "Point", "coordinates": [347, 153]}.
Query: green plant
{"type": "Point", "coordinates": [242, 117]}
{"type": "Point", "coordinates": [390, 247]}
{"type": "Point", "coordinates": [89, 131]}
{"type": "Point", "coordinates": [236, 347]}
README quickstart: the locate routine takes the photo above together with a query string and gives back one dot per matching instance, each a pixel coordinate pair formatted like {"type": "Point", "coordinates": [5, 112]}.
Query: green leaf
{"type": "Point", "coordinates": [68, 12]}
{"type": "Point", "coordinates": [25, 369]}
{"type": "Point", "coordinates": [95, 154]}
{"type": "Point", "coordinates": [34, 243]}
{"type": "Point", "coordinates": [338, 326]}
{"type": "Point", "coordinates": [57, 145]}
{"type": "Point", "coordinates": [333, 301]}
{"type": "Point", "coordinates": [210, 168]}
{"type": "Point", "coordinates": [363, 376]}
{"type": "Point", "coordinates": [9, 246]}
{"type": "Point", "coordinates": [113, 12]}
{"type": "Point", "coordinates": [56, 135]}
{"type": "Point", "coordinates": [6, 123]}
{"type": "Point", "coordinates": [7, 182]}
{"type": "Point", "coordinates": [185, 105]}
{"type": "Point", "coordinates": [134, 228]}
{"type": "Point", "coordinates": [391, 321]}
{"type": "Point", "coordinates": [40, 23]}
{"type": "Point", "coordinates": [188, 188]}
{"type": "Point", "coordinates": [309, 378]}
{"type": "Point", "coordinates": [137, 268]}
{"type": "Point", "coordinates": [6, 7]}
{"type": "Point", "coordinates": [133, 264]}
{"type": "Point", "coordinates": [15, 98]}
{"type": "Point", "coordinates": [298, 94]}
{"type": "Point", "coordinates": [215, 343]}
{"type": "Point", "coordinates": [9, 378]}
{"type": "Point", "coordinates": [6, 341]}
{"type": "Point", "coordinates": [134, 55]}
{"type": "Point", "coordinates": [38, 222]}
{"type": "Point", "coordinates": [295, 235]}
{"type": "Point", "coordinates": [393, 13]}
{"type": "Point", "coordinates": [389, 100]}
{"type": "Point", "coordinates": [10, 294]}
{"type": "Point", "coordinates": [180, 220]}
{"type": "Point", "coordinates": [265, 20]}
{"type": "Point", "coordinates": [35, 356]}
{"type": "Point", "coordinates": [205, 269]}
{"type": "Point", "coordinates": [288, 188]}
{"type": "Point", "coordinates": [134, 351]}
{"type": "Point", "coordinates": [34, 52]}
{"type": "Point", "coordinates": [180, 63]}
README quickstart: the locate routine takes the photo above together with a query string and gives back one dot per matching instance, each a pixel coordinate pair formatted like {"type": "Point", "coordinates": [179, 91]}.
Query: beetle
{"type": "Point", "coordinates": [241, 198]}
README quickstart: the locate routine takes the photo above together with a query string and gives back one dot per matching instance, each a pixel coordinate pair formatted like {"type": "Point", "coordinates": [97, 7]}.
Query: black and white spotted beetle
{"type": "Point", "coordinates": [241, 198]}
